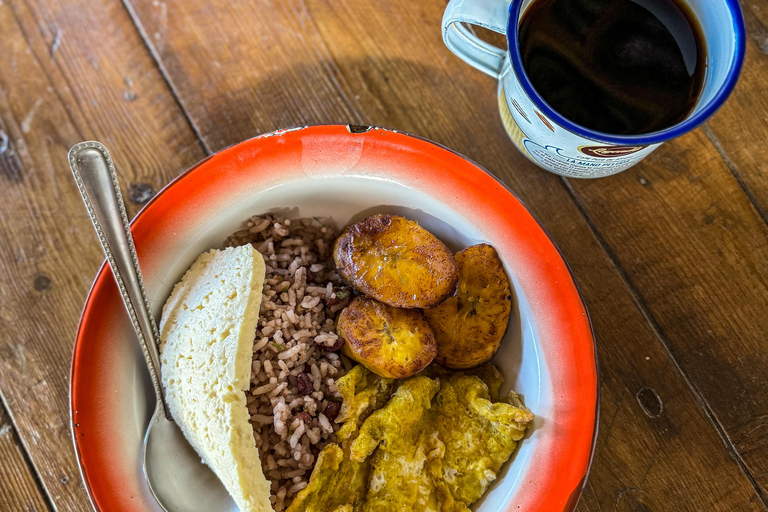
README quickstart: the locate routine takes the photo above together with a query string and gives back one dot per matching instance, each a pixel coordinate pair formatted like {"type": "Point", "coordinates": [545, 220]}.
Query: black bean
{"type": "Point", "coordinates": [335, 347]}
{"type": "Point", "coordinates": [306, 418]}
{"type": "Point", "coordinates": [332, 410]}
{"type": "Point", "coordinates": [305, 384]}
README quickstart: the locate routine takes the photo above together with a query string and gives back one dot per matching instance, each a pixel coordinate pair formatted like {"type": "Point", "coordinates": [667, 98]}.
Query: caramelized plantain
{"type": "Point", "coordinates": [469, 326]}
{"type": "Point", "coordinates": [396, 261]}
{"type": "Point", "coordinates": [392, 343]}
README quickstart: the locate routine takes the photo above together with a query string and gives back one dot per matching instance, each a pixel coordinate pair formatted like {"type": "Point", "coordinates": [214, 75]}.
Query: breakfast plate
{"type": "Point", "coordinates": [347, 173]}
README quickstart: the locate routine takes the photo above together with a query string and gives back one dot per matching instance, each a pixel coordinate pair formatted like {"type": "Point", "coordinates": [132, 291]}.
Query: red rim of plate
{"type": "Point", "coordinates": [570, 467]}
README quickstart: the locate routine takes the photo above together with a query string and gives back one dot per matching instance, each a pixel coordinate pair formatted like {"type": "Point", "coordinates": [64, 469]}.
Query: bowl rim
{"type": "Point", "coordinates": [570, 500]}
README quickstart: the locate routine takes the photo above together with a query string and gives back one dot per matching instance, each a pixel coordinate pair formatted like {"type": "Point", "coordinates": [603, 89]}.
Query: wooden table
{"type": "Point", "coordinates": [672, 255]}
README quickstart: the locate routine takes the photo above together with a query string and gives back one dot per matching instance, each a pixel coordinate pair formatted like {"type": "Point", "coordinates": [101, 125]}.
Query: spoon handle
{"type": "Point", "coordinates": [95, 175]}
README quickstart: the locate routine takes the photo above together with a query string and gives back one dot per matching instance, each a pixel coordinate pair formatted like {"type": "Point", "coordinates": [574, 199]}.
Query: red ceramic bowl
{"type": "Point", "coordinates": [548, 354]}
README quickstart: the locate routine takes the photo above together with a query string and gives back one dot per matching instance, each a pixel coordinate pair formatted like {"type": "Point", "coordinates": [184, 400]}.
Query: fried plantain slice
{"type": "Point", "coordinates": [396, 261]}
{"type": "Point", "coordinates": [391, 342]}
{"type": "Point", "coordinates": [469, 326]}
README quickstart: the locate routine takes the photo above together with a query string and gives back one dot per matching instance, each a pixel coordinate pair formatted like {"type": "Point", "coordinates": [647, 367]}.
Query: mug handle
{"type": "Point", "coordinates": [490, 14]}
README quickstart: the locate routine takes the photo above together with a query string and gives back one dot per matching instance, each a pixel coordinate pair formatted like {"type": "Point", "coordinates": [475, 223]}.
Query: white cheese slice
{"type": "Point", "coordinates": [206, 333]}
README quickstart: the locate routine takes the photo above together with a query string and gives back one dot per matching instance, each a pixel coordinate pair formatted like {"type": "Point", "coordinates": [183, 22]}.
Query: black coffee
{"type": "Point", "coordinates": [623, 67]}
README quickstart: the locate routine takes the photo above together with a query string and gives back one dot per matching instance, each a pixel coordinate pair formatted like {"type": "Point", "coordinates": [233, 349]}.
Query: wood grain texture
{"type": "Point", "coordinates": [384, 63]}
{"type": "Point", "coordinates": [236, 79]}
{"type": "Point", "coordinates": [63, 82]}
{"type": "Point", "coordinates": [18, 489]}
{"type": "Point", "coordinates": [740, 129]}
{"type": "Point", "coordinates": [696, 251]}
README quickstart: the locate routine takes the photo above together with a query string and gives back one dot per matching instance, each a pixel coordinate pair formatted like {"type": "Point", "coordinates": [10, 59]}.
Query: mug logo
{"type": "Point", "coordinates": [610, 151]}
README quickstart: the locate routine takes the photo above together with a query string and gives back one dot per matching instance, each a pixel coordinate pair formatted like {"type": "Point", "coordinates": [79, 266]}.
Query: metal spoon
{"type": "Point", "coordinates": [175, 473]}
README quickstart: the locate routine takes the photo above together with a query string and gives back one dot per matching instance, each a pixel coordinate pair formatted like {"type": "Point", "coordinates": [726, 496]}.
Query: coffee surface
{"type": "Point", "coordinates": [623, 67]}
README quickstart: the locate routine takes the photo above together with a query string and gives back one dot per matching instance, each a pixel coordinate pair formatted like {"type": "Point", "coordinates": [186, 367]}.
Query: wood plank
{"type": "Point", "coordinates": [384, 63]}
{"type": "Point", "coordinates": [739, 132]}
{"type": "Point", "coordinates": [18, 487]}
{"type": "Point", "coordinates": [207, 56]}
{"type": "Point", "coordinates": [740, 129]}
{"type": "Point", "coordinates": [63, 82]}
{"type": "Point", "coordinates": [698, 255]}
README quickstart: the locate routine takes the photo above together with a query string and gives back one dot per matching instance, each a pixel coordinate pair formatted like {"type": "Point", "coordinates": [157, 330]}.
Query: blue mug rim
{"type": "Point", "coordinates": [656, 137]}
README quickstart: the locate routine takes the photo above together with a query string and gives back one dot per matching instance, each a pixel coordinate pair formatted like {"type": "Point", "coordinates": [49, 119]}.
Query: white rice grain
{"type": "Point", "coordinates": [295, 329]}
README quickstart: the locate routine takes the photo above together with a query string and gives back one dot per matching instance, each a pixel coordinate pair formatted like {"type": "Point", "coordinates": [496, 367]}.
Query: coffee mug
{"type": "Point", "coordinates": [549, 139]}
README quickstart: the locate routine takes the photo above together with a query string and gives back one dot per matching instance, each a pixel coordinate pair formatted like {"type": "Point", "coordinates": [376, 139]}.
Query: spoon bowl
{"type": "Point", "coordinates": [171, 464]}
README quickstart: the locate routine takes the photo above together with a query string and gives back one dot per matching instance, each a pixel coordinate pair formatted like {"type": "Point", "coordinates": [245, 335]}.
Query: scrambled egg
{"type": "Point", "coordinates": [430, 443]}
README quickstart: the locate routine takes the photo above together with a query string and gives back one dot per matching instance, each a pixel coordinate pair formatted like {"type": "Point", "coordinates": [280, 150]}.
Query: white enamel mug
{"type": "Point", "coordinates": [550, 140]}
